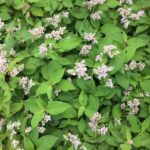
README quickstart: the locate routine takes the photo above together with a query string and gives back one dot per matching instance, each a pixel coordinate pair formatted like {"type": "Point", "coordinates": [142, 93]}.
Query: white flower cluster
{"type": "Point", "coordinates": [3, 62]}
{"type": "Point", "coordinates": [144, 94]}
{"type": "Point", "coordinates": [12, 52]}
{"type": "Point", "coordinates": [55, 20]}
{"type": "Point", "coordinates": [102, 71]}
{"type": "Point", "coordinates": [93, 124]}
{"type": "Point", "coordinates": [57, 91]}
{"type": "Point", "coordinates": [1, 23]}
{"type": "Point", "coordinates": [90, 37]}
{"type": "Point", "coordinates": [2, 46]}
{"type": "Point", "coordinates": [65, 14]}
{"type": "Point", "coordinates": [56, 34]}
{"type": "Point", "coordinates": [37, 32]}
{"type": "Point", "coordinates": [96, 15]}
{"type": "Point", "coordinates": [133, 105]}
{"type": "Point", "coordinates": [127, 15]}
{"type": "Point", "coordinates": [117, 121]}
{"type": "Point", "coordinates": [126, 1]}
{"type": "Point", "coordinates": [85, 49]}
{"type": "Point", "coordinates": [43, 49]}
{"type": "Point", "coordinates": [45, 120]}
{"type": "Point", "coordinates": [110, 50]}
{"type": "Point", "coordinates": [13, 29]}
{"type": "Point", "coordinates": [109, 83]}
{"type": "Point", "coordinates": [13, 128]}
{"type": "Point", "coordinates": [26, 6]}
{"type": "Point", "coordinates": [127, 91]}
{"type": "Point", "coordinates": [134, 65]}
{"type": "Point", "coordinates": [28, 129]}
{"type": "Point", "coordinates": [15, 71]}
{"type": "Point", "coordinates": [26, 84]}
{"type": "Point", "coordinates": [76, 142]}
{"type": "Point", "coordinates": [91, 3]}
{"type": "Point", "coordinates": [80, 70]}
{"type": "Point", "coordinates": [99, 57]}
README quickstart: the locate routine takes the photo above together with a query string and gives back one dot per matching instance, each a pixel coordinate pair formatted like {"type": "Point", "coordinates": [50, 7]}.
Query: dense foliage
{"type": "Point", "coordinates": [74, 74]}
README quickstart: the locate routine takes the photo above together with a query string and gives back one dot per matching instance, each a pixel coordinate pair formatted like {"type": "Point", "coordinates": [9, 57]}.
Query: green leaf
{"type": "Point", "coordinates": [116, 111]}
{"type": "Point", "coordinates": [42, 88]}
{"type": "Point", "coordinates": [141, 139]}
{"type": "Point", "coordinates": [53, 72]}
{"type": "Point", "coordinates": [5, 16]}
{"type": "Point", "coordinates": [9, 41]}
{"type": "Point", "coordinates": [28, 144]}
{"type": "Point", "coordinates": [83, 98]}
{"type": "Point", "coordinates": [112, 4]}
{"type": "Point", "coordinates": [68, 3]}
{"type": "Point", "coordinates": [125, 147]}
{"type": "Point", "coordinates": [36, 11]}
{"type": "Point", "coordinates": [82, 126]}
{"type": "Point", "coordinates": [15, 107]}
{"type": "Point", "coordinates": [81, 111]}
{"type": "Point", "coordinates": [79, 13]}
{"type": "Point", "coordinates": [122, 80]}
{"type": "Point", "coordinates": [69, 43]}
{"type": "Point", "coordinates": [145, 85]}
{"type": "Point", "coordinates": [113, 32]}
{"type": "Point", "coordinates": [141, 28]}
{"type": "Point", "coordinates": [57, 107]}
{"type": "Point", "coordinates": [18, 4]}
{"type": "Point", "coordinates": [66, 86]}
{"type": "Point", "coordinates": [128, 134]}
{"type": "Point", "coordinates": [70, 113]}
{"type": "Point", "coordinates": [117, 63]}
{"type": "Point", "coordinates": [93, 103]}
{"type": "Point", "coordinates": [37, 117]}
{"type": "Point", "coordinates": [49, 91]}
{"type": "Point", "coordinates": [145, 124]}
{"type": "Point", "coordinates": [137, 42]}
{"type": "Point", "coordinates": [130, 52]}
{"type": "Point", "coordinates": [57, 76]}
{"type": "Point", "coordinates": [32, 1]}
{"type": "Point", "coordinates": [46, 142]}
{"type": "Point", "coordinates": [35, 105]}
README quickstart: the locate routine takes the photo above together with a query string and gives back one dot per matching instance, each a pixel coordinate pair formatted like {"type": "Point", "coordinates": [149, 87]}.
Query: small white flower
{"type": "Point", "coordinates": [141, 65]}
{"type": "Point", "coordinates": [109, 83]}
{"type": "Point", "coordinates": [96, 15]}
{"type": "Point", "coordinates": [102, 71]}
{"type": "Point", "coordinates": [90, 37]}
{"type": "Point", "coordinates": [73, 139]}
{"type": "Point", "coordinates": [117, 121]}
{"type": "Point", "coordinates": [55, 20]}
{"type": "Point", "coordinates": [12, 52]}
{"type": "Point", "coordinates": [123, 106]}
{"type": "Point", "coordinates": [1, 23]}
{"type": "Point", "coordinates": [130, 142]}
{"type": "Point", "coordinates": [15, 143]}
{"type": "Point", "coordinates": [65, 14]}
{"type": "Point", "coordinates": [28, 129]}
{"type": "Point", "coordinates": [41, 129]}
{"type": "Point", "coordinates": [37, 32]}
{"type": "Point", "coordinates": [85, 49]}
{"type": "Point", "coordinates": [42, 49]}
{"type": "Point", "coordinates": [57, 91]}
{"type": "Point", "coordinates": [26, 84]}
{"type": "Point", "coordinates": [99, 57]}
{"type": "Point", "coordinates": [103, 130]}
